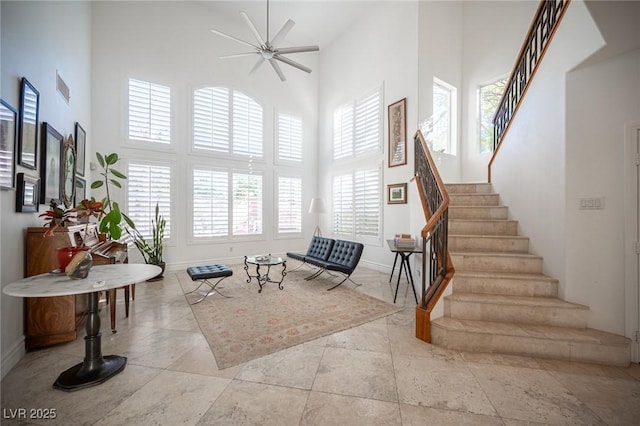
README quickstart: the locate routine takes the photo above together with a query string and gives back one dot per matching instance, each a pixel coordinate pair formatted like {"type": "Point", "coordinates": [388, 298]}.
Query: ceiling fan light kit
{"type": "Point", "coordinates": [267, 50]}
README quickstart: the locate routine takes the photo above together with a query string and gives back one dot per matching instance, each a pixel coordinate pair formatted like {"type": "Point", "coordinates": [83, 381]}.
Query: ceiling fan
{"type": "Point", "coordinates": [267, 50]}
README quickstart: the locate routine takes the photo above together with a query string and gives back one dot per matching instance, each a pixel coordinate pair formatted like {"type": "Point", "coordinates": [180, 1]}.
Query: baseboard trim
{"type": "Point", "coordinates": [13, 356]}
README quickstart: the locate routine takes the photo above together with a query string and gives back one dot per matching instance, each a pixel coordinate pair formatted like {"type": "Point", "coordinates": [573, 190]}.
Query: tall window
{"type": "Point", "coordinates": [488, 98]}
{"type": "Point", "coordinates": [226, 203]}
{"type": "Point", "coordinates": [149, 184]}
{"type": "Point", "coordinates": [289, 137]}
{"type": "Point", "coordinates": [149, 112]}
{"type": "Point", "coordinates": [357, 127]}
{"type": "Point", "coordinates": [289, 205]}
{"type": "Point", "coordinates": [226, 120]}
{"type": "Point", "coordinates": [357, 203]}
{"type": "Point", "coordinates": [444, 116]}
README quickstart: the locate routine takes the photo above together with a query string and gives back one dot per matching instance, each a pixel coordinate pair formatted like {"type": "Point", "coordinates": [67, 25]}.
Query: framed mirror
{"type": "Point", "coordinates": [68, 172]}
{"type": "Point", "coordinates": [8, 138]}
{"type": "Point", "coordinates": [50, 164]}
{"type": "Point", "coordinates": [28, 134]}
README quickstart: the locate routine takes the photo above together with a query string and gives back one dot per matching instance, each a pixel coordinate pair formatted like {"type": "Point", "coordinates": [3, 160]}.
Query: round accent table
{"type": "Point", "coordinates": [266, 261]}
{"type": "Point", "coordinates": [95, 368]}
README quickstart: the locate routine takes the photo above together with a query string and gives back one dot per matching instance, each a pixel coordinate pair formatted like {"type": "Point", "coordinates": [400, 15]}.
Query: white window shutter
{"type": "Point", "coordinates": [367, 123]}
{"type": "Point", "coordinates": [210, 203]}
{"type": "Point", "coordinates": [211, 125]}
{"type": "Point", "coordinates": [343, 204]}
{"type": "Point", "coordinates": [247, 125]}
{"type": "Point", "coordinates": [149, 184]}
{"type": "Point", "coordinates": [367, 203]}
{"type": "Point", "coordinates": [289, 204]}
{"type": "Point", "coordinates": [149, 112]}
{"type": "Point", "coordinates": [289, 137]}
{"type": "Point", "coordinates": [247, 204]}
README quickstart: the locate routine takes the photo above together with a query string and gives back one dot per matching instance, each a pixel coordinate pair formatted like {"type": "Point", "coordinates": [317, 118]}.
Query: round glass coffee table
{"type": "Point", "coordinates": [265, 261]}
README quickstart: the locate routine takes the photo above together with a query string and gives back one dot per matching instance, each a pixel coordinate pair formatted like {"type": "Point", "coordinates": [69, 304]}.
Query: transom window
{"type": "Point", "coordinates": [228, 121]}
{"type": "Point", "coordinates": [357, 126]}
{"type": "Point", "coordinates": [149, 112]}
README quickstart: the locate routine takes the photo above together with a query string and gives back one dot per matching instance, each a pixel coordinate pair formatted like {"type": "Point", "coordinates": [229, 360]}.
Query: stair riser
{"type": "Point", "coordinates": [474, 200]}
{"type": "Point", "coordinates": [522, 314]}
{"type": "Point", "coordinates": [489, 263]}
{"type": "Point", "coordinates": [508, 287]}
{"type": "Point", "coordinates": [479, 212]}
{"type": "Point", "coordinates": [468, 188]}
{"type": "Point", "coordinates": [462, 227]}
{"type": "Point", "coordinates": [487, 244]}
{"type": "Point", "coordinates": [532, 347]}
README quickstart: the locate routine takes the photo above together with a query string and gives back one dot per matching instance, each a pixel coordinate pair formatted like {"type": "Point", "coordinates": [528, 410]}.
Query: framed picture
{"type": "Point", "coordinates": [27, 194]}
{"type": "Point", "coordinates": [50, 164]}
{"type": "Point", "coordinates": [28, 132]}
{"type": "Point", "coordinates": [81, 190]}
{"type": "Point", "coordinates": [68, 183]}
{"type": "Point", "coordinates": [8, 140]}
{"type": "Point", "coordinates": [81, 145]}
{"type": "Point", "coordinates": [397, 193]}
{"type": "Point", "coordinates": [398, 133]}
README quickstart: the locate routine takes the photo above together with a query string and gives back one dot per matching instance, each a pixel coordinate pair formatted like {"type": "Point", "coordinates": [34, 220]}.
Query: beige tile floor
{"type": "Point", "coordinates": [374, 374]}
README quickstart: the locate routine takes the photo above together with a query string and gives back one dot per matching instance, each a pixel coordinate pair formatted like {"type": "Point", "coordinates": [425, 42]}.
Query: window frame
{"type": "Point", "coordinates": [142, 143]}
{"type": "Point", "coordinates": [452, 142]}
{"type": "Point", "coordinates": [478, 134]}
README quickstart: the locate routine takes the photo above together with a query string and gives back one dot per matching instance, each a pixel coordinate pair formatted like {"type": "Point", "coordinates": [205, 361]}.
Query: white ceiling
{"type": "Point", "coordinates": [317, 22]}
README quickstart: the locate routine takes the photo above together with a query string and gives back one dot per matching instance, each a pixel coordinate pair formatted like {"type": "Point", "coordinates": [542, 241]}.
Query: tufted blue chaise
{"type": "Point", "coordinates": [320, 248]}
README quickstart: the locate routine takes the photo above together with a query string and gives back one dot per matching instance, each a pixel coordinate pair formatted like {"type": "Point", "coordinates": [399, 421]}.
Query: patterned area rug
{"type": "Point", "coordinates": [250, 325]}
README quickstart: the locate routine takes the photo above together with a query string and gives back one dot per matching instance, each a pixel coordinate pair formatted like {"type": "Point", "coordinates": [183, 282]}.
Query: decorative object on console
{"type": "Point", "coordinates": [8, 141]}
{"type": "Point", "coordinates": [151, 250]}
{"type": "Point", "coordinates": [27, 194]}
{"type": "Point", "coordinates": [266, 48]}
{"type": "Point", "coordinates": [51, 164]}
{"type": "Point", "coordinates": [111, 217]}
{"type": "Point", "coordinates": [66, 254]}
{"type": "Point", "coordinates": [79, 266]}
{"type": "Point", "coordinates": [404, 241]}
{"type": "Point", "coordinates": [28, 133]}
{"type": "Point", "coordinates": [398, 133]}
{"type": "Point", "coordinates": [397, 193]}
{"type": "Point", "coordinates": [317, 207]}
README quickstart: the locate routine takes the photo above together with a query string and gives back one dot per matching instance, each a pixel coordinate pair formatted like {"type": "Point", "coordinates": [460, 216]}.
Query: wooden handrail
{"type": "Point", "coordinates": [435, 206]}
{"type": "Point", "coordinates": [542, 29]}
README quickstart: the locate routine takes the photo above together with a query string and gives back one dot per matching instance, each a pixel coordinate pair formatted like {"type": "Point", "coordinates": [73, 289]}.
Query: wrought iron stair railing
{"type": "Point", "coordinates": [544, 24]}
{"type": "Point", "coordinates": [437, 268]}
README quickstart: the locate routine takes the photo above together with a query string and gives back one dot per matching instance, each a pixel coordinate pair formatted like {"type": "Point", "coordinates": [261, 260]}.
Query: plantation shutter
{"type": "Point", "coordinates": [247, 204]}
{"type": "Point", "coordinates": [289, 204]}
{"type": "Point", "coordinates": [367, 203]}
{"type": "Point", "coordinates": [149, 112]}
{"type": "Point", "coordinates": [247, 125]}
{"type": "Point", "coordinates": [367, 124]}
{"type": "Point", "coordinates": [343, 204]}
{"type": "Point", "coordinates": [289, 137]}
{"type": "Point", "coordinates": [343, 132]}
{"type": "Point", "coordinates": [210, 203]}
{"type": "Point", "coordinates": [211, 124]}
{"type": "Point", "coordinates": [149, 184]}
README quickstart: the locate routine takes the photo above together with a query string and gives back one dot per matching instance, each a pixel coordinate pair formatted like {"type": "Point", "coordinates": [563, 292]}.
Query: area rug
{"type": "Point", "coordinates": [250, 325]}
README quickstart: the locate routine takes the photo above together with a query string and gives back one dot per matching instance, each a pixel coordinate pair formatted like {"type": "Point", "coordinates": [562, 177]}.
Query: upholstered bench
{"type": "Point", "coordinates": [206, 273]}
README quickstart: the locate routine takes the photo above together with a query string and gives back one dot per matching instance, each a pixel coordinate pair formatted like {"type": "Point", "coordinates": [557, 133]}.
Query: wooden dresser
{"type": "Point", "coordinates": [52, 320]}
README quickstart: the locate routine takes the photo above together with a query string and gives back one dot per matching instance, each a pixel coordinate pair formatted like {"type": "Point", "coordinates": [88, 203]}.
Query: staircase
{"type": "Point", "coordinates": [501, 302]}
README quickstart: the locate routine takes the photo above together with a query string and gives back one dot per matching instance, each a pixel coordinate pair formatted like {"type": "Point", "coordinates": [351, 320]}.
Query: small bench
{"type": "Point", "coordinates": [204, 274]}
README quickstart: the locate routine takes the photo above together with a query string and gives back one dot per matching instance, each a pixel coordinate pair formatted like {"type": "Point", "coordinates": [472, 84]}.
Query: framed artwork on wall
{"type": "Point", "coordinates": [68, 183]}
{"type": "Point", "coordinates": [398, 133]}
{"type": "Point", "coordinates": [50, 164]}
{"type": "Point", "coordinates": [81, 190]}
{"type": "Point", "coordinates": [28, 132]}
{"type": "Point", "coordinates": [397, 193]}
{"type": "Point", "coordinates": [8, 141]}
{"type": "Point", "coordinates": [27, 193]}
{"type": "Point", "coordinates": [81, 145]}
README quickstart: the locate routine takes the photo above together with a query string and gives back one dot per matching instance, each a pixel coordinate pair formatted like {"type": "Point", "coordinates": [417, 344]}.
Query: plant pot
{"type": "Point", "coordinates": [160, 275]}
{"type": "Point", "coordinates": [65, 254]}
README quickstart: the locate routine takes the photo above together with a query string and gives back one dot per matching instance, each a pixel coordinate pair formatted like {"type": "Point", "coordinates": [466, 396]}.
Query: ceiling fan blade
{"type": "Point", "coordinates": [283, 32]}
{"type": "Point", "coordinates": [234, 39]}
{"type": "Point", "coordinates": [257, 65]}
{"type": "Point", "coordinates": [253, 28]}
{"type": "Point", "coordinates": [238, 55]}
{"type": "Point", "coordinates": [292, 63]}
{"type": "Point", "coordinates": [299, 49]}
{"type": "Point", "coordinates": [277, 69]}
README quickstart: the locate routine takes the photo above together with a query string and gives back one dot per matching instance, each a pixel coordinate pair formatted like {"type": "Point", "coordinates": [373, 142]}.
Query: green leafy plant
{"type": "Point", "coordinates": [111, 216]}
{"type": "Point", "coordinates": [151, 250]}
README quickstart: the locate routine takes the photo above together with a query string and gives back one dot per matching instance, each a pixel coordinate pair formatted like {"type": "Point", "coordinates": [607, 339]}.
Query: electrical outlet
{"type": "Point", "coordinates": [596, 203]}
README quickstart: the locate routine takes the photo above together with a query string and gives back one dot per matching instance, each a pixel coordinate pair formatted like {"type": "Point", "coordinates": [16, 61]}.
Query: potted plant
{"type": "Point", "coordinates": [56, 217]}
{"type": "Point", "coordinates": [110, 217]}
{"type": "Point", "coordinates": [151, 250]}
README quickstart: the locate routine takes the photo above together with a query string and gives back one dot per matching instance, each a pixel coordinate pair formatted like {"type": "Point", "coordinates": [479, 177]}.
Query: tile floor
{"type": "Point", "coordinates": [374, 374]}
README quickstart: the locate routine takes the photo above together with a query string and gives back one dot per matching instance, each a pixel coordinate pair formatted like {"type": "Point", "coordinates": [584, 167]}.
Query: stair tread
{"type": "Point", "coordinates": [578, 335]}
{"type": "Point", "coordinates": [483, 220]}
{"type": "Point", "coordinates": [494, 236]}
{"type": "Point", "coordinates": [503, 299]}
{"type": "Point", "coordinates": [494, 254]}
{"type": "Point", "coordinates": [505, 275]}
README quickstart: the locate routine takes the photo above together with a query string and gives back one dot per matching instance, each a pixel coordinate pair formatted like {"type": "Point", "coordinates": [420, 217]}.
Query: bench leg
{"type": "Point", "coordinates": [211, 290]}
{"type": "Point", "coordinates": [316, 274]}
{"type": "Point", "coordinates": [347, 277]}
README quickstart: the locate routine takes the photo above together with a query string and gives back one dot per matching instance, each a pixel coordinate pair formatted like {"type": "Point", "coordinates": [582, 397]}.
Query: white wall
{"type": "Point", "coordinates": [380, 48]}
{"type": "Point", "coordinates": [530, 168]}
{"type": "Point", "coordinates": [176, 48]}
{"type": "Point", "coordinates": [38, 38]}
{"type": "Point", "coordinates": [602, 100]}
{"type": "Point", "coordinates": [490, 50]}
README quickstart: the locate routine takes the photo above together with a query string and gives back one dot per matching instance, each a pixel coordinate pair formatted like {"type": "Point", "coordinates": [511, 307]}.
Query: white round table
{"type": "Point", "coordinates": [95, 368]}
